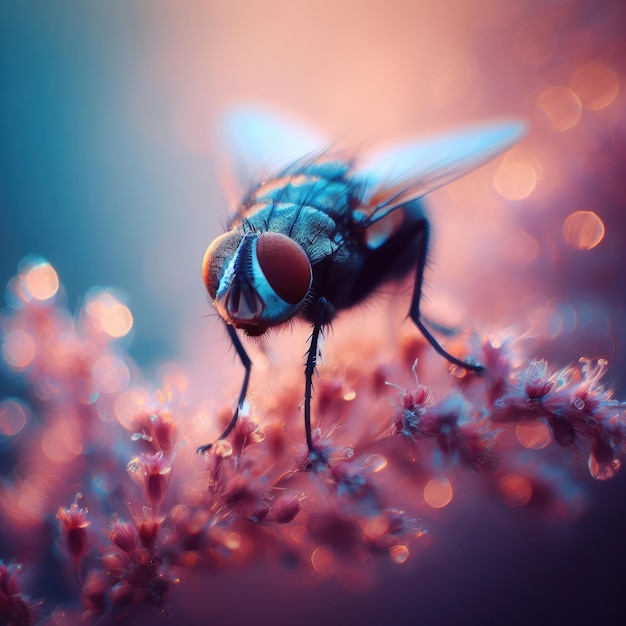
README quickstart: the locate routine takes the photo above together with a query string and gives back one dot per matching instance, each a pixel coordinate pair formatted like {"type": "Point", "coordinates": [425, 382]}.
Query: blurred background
{"type": "Point", "coordinates": [109, 170]}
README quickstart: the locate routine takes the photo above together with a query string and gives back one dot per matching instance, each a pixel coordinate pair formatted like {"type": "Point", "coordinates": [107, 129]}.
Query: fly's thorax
{"type": "Point", "coordinates": [256, 280]}
{"type": "Point", "coordinates": [312, 228]}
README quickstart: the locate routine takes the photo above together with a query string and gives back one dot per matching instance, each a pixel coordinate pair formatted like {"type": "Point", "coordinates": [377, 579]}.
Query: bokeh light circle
{"type": "Point", "coordinates": [583, 230]}
{"type": "Point", "coordinates": [514, 490]}
{"type": "Point", "coordinates": [438, 492]}
{"type": "Point", "coordinates": [596, 85]}
{"type": "Point", "coordinates": [536, 41]}
{"type": "Point", "coordinates": [18, 350]}
{"type": "Point", "coordinates": [560, 107]}
{"type": "Point", "coordinates": [534, 435]}
{"type": "Point", "coordinates": [41, 280]}
{"type": "Point", "coordinates": [515, 180]}
{"type": "Point", "coordinates": [104, 313]}
{"type": "Point", "coordinates": [13, 417]}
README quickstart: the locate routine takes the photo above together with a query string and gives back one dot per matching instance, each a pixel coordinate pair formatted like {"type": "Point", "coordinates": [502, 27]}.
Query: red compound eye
{"type": "Point", "coordinates": [285, 265]}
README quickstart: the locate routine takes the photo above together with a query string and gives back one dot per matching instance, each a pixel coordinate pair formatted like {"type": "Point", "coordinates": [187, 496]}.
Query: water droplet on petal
{"type": "Point", "coordinates": [376, 462]}
{"type": "Point", "coordinates": [257, 436]}
{"type": "Point", "coordinates": [133, 466]}
{"type": "Point", "coordinates": [349, 394]}
{"type": "Point", "coordinates": [233, 541]}
{"type": "Point", "coordinates": [138, 436]}
{"type": "Point", "coordinates": [603, 471]}
{"type": "Point", "coordinates": [222, 448]}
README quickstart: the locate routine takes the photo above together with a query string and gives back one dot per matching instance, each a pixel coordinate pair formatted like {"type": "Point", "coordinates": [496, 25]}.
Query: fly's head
{"type": "Point", "coordinates": [256, 280]}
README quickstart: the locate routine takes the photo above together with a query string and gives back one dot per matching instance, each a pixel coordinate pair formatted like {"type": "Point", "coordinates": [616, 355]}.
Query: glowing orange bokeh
{"type": "Point", "coordinates": [583, 230]}
{"type": "Point", "coordinates": [514, 490]}
{"type": "Point", "coordinates": [438, 492]}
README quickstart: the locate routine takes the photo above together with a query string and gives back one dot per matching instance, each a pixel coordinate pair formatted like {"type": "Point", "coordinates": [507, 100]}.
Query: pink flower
{"type": "Point", "coordinates": [285, 509]}
{"type": "Point", "coordinates": [14, 610]}
{"type": "Point", "coordinates": [148, 528]}
{"type": "Point", "coordinates": [261, 490]}
{"type": "Point", "coordinates": [355, 485]}
{"type": "Point", "coordinates": [160, 428]}
{"type": "Point", "coordinates": [95, 591]}
{"type": "Point", "coordinates": [74, 523]}
{"type": "Point", "coordinates": [124, 536]}
{"type": "Point", "coordinates": [392, 528]}
{"type": "Point", "coordinates": [132, 568]}
{"type": "Point", "coordinates": [152, 472]}
{"type": "Point", "coordinates": [576, 408]}
{"type": "Point", "coordinates": [458, 435]}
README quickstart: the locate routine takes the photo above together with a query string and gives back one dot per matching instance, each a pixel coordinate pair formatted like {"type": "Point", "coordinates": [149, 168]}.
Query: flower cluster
{"type": "Point", "coordinates": [574, 407]}
{"type": "Point", "coordinates": [456, 431]}
{"type": "Point", "coordinates": [150, 511]}
{"type": "Point", "coordinates": [14, 609]}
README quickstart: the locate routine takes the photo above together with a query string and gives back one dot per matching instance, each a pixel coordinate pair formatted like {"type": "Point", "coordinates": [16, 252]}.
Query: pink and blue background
{"type": "Point", "coordinates": [109, 170]}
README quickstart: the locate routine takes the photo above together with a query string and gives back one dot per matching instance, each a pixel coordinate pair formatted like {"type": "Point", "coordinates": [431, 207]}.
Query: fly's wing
{"type": "Point", "coordinates": [413, 169]}
{"type": "Point", "coordinates": [258, 141]}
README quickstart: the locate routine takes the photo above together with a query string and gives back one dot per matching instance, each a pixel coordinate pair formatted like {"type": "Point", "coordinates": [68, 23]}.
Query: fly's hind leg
{"type": "Point", "coordinates": [316, 459]}
{"type": "Point", "coordinates": [414, 311]}
{"type": "Point", "coordinates": [247, 363]}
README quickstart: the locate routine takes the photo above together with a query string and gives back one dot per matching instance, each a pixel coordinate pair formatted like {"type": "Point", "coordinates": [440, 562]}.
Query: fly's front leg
{"type": "Point", "coordinates": [247, 363]}
{"type": "Point", "coordinates": [414, 311]}
{"type": "Point", "coordinates": [309, 369]}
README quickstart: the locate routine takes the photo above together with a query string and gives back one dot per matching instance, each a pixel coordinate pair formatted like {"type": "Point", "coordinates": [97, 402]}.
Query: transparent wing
{"type": "Point", "coordinates": [258, 140]}
{"type": "Point", "coordinates": [413, 169]}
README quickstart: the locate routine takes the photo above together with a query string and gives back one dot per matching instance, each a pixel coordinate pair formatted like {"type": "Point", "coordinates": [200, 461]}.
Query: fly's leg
{"type": "Point", "coordinates": [309, 370]}
{"type": "Point", "coordinates": [247, 363]}
{"type": "Point", "coordinates": [414, 311]}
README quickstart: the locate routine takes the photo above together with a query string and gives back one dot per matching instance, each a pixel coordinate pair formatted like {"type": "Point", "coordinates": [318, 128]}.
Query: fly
{"type": "Point", "coordinates": [327, 232]}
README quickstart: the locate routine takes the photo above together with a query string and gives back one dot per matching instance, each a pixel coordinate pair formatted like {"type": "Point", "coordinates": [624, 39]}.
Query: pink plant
{"type": "Point", "coordinates": [158, 512]}
{"type": "Point", "coordinates": [74, 522]}
{"type": "Point", "coordinates": [14, 610]}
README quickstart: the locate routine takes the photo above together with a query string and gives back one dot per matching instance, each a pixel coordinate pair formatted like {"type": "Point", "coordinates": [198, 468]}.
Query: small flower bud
{"type": "Point", "coordinates": [148, 529]}
{"type": "Point", "coordinates": [94, 592]}
{"type": "Point", "coordinates": [74, 525]}
{"type": "Point", "coordinates": [285, 509]}
{"type": "Point", "coordinates": [13, 608]}
{"type": "Point", "coordinates": [124, 536]}
{"type": "Point", "coordinates": [152, 472]}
